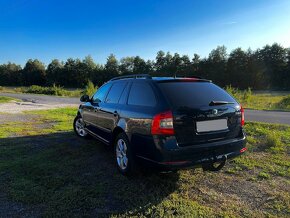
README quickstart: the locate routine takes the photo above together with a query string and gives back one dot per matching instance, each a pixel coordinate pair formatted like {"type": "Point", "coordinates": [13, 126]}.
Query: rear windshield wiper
{"type": "Point", "coordinates": [213, 103]}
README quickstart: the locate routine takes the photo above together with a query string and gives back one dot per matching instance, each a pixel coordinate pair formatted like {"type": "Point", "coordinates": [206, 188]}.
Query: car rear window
{"type": "Point", "coordinates": [193, 94]}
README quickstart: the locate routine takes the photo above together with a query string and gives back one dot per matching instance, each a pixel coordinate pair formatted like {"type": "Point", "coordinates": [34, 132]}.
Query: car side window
{"type": "Point", "coordinates": [141, 94]}
{"type": "Point", "coordinates": [100, 95]}
{"type": "Point", "coordinates": [115, 92]}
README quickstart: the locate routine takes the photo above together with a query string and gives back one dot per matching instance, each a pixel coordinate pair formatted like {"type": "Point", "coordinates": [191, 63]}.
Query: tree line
{"type": "Point", "coordinates": [265, 68]}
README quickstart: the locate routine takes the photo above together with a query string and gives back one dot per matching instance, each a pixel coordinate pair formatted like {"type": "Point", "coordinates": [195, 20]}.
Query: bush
{"type": "Point", "coordinates": [284, 103]}
{"type": "Point", "coordinates": [90, 88]}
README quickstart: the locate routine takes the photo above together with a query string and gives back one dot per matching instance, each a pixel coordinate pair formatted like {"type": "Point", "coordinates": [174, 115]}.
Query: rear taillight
{"type": "Point", "coordinates": [162, 124]}
{"type": "Point", "coordinates": [243, 150]}
{"type": "Point", "coordinates": [242, 116]}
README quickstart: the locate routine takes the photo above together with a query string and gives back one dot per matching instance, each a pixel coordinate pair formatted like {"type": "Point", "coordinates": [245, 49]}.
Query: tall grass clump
{"type": "Point", "coordinates": [284, 103]}
{"type": "Point", "coordinates": [273, 141]}
{"type": "Point", "coordinates": [90, 89]}
{"type": "Point", "coordinates": [243, 96]}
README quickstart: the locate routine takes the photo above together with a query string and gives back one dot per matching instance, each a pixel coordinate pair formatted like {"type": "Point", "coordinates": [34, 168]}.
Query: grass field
{"type": "Point", "coordinates": [44, 166]}
{"type": "Point", "coordinates": [261, 100]}
{"type": "Point", "coordinates": [4, 99]}
{"type": "Point", "coordinates": [267, 101]}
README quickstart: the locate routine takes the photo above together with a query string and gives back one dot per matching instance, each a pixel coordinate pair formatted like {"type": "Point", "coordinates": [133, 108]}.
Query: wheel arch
{"type": "Point", "coordinates": [116, 132]}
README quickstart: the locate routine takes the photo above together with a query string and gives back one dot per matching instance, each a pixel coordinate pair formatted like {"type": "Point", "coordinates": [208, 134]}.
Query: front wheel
{"type": "Point", "coordinates": [79, 127]}
{"type": "Point", "coordinates": [123, 154]}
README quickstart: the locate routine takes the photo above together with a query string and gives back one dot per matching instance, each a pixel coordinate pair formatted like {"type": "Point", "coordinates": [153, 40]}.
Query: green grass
{"type": "Point", "coordinates": [47, 121]}
{"type": "Point", "coordinates": [43, 164]}
{"type": "Point", "coordinates": [261, 100]}
{"type": "Point", "coordinates": [266, 102]}
{"type": "Point", "coordinates": [4, 99]}
{"type": "Point", "coordinates": [284, 103]}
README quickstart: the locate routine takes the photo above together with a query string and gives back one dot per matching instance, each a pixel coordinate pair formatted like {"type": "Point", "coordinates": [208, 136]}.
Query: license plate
{"type": "Point", "coordinates": [212, 125]}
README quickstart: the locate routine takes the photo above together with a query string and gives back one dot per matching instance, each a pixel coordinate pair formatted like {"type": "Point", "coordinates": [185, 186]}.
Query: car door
{"type": "Point", "coordinates": [109, 110]}
{"type": "Point", "coordinates": [91, 108]}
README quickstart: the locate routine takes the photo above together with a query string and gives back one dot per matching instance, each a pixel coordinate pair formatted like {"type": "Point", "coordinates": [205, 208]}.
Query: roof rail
{"type": "Point", "coordinates": [133, 76]}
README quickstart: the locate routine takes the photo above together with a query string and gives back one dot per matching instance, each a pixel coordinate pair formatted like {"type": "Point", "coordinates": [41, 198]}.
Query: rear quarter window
{"type": "Point", "coordinates": [141, 94]}
{"type": "Point", "coordinates": [193, 94]}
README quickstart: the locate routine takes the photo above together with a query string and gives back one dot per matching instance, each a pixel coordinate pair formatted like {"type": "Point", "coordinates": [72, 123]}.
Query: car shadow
{"type": "Point", "coordinates": [61, 161]}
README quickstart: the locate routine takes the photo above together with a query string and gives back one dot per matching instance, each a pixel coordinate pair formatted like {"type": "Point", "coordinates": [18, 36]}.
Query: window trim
{"type": "Point", "coordinates": [128, 86]}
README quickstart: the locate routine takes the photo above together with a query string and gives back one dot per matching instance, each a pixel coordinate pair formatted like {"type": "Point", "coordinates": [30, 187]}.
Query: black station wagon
{"type": "Point", "coordinates": [169, 123]}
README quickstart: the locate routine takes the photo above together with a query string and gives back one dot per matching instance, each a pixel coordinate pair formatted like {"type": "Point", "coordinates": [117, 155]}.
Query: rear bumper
{"type": "Point", "coordinates": [197, 155]}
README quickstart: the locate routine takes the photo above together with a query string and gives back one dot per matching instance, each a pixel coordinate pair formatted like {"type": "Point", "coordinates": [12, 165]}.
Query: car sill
{"type": "Point", "coordinates": [97, 136]}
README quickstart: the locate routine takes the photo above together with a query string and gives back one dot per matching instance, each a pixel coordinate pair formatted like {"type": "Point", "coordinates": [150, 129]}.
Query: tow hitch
{"type": "Point", "coordinates": [215, 164]}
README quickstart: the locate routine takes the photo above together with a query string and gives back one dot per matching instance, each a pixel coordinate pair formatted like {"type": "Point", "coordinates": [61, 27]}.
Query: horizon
{"type": "Point", "coordinates": [119, 58]}
{"type": "Point", "coordinates": [52, 30]}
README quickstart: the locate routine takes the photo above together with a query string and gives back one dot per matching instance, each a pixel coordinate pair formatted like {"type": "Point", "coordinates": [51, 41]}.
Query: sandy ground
{"type": "Point", "coordinates": [18, 107]}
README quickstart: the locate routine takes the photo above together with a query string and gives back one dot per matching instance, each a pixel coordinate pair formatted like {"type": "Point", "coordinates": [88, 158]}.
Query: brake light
{"type": "Point", "coordinates": [242, 116]}
{"type": "Point", "coordinates": [243, 150]}
{"type": "Point", "coordinates": [162, 124]}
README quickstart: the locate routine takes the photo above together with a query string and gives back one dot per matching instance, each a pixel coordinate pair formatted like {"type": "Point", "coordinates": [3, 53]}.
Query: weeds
{"type": "Point", "coordinates": [273, 141]}
{"type": "Point", "coordinates": [90, 89]}
{"type": "Point", "coordinates": [284, 103]}
{"type": "Point", "coordinates": [260, 101]}
{"type": "Point", "coordinates": [242, 96]}
{"type": "Point", "coordinates": [263, 175]}
{"type": "Point", "coordinates": [54, 90]}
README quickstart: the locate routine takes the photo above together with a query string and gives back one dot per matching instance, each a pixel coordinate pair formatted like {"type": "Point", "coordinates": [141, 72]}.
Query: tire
{"type": "Point", "coordinates": [124, 157]}
{"type": "Point", "coordinates": [79, 127]}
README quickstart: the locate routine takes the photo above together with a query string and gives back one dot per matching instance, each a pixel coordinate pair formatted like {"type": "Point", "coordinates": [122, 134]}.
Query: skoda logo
{"type": "Point", "coordinates": [214, 111]}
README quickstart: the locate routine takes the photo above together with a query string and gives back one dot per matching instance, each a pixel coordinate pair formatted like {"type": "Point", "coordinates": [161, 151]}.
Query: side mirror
{"type": "Point", "coordinates": [97, 100]}
{"type": "Point", "coordinates": [85, 98]}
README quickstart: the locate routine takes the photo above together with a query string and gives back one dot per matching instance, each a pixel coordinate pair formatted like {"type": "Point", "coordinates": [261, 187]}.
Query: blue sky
{"type": "Point", "coordinates": [62, 29]}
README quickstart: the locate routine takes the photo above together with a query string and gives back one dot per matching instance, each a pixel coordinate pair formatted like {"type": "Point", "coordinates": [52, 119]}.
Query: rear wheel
{"type": "Point", "coordinates": [123, 155]}
{"type": "Point", "coordinates": [79, 127]}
